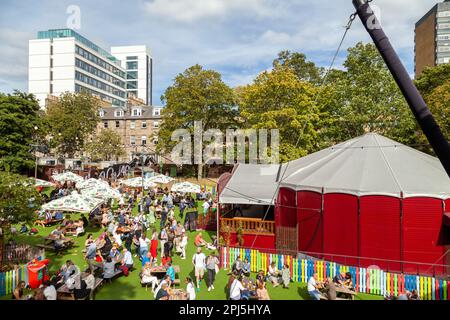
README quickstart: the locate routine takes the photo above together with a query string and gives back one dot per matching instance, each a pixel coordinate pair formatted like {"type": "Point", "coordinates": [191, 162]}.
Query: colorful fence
{"type": "Point", "coordinates": [372, 281]}
{"type": "Point", "coordinates": [10, 279]}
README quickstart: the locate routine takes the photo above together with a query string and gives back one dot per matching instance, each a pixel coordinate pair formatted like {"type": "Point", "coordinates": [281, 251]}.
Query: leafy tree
{"type": "Point", "coordinates": [19, 115]}
{"type": "Point", "coordinates": [18, 199]}
{"type": "Point", "coordinates": [365, 98]}
{"type": "Point", "coordinates": [432, 77]}
{"type": "Point", "coordinates": [106, 145]}
{"type": "Point", "coordinates": [280, 100]}
{"type": "Point", "coordinates": [196, 95]}
{"type": "Point", "coordinates": [72, 118]}
{"type": "Point", "coordinates": [303, 69]}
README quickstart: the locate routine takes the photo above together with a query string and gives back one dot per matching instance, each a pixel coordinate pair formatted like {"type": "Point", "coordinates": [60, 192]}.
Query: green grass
{"type": "Point", "coordinates": [129, 288]}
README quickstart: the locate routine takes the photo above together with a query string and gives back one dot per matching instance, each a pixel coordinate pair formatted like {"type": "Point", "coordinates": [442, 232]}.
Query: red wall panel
{"type": "Point", "coordinates": [422, 234]}
{"type": "Point", "coordinates": [261, 242]}
{"type": "Point", "coordinates": [380, 234]}
{"type": "Point", "coordinates": [340, 221]}
{"type": "Point", "coordinates": [309, 217]}
{"type": "Point", "coordinates": [286, 212]}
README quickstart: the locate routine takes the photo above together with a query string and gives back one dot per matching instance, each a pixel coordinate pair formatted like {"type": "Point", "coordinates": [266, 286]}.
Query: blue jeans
{"type": "Point", "coordinates": [315, 295]}
{"type": "Point", "coordinates": [143, 252]}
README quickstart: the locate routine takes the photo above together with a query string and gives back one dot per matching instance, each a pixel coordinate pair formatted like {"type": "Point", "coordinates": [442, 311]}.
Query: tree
{"type": "Point", "coordinates": [196, 95]}
{"type": "Point", "coordinates": [72, 118]}
{"type": "Point", "coordinates": [365, 98]}
{"type": "Point", "coordinates": [303, 69]}
{"type": "Point", "coordinates": [19, 115]}
{"type": "Point", "coordinates": [280, 100]}
{"type": "Point", "coordinates": [432, 77]}
{"type": "Point", "coordinates": [106, 145]}
{"type": "Point", "coordinates": [19, 199]}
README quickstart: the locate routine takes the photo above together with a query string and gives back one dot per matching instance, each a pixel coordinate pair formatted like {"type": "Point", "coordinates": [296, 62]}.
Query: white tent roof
{"type": "Point", "coordinates": [368, 165]}
{"type": "Point", "coordinates": [251, 184]}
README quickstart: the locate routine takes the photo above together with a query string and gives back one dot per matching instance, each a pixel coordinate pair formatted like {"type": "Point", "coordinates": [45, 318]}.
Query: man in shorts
{"type": "Point", "coordinates": [199, 262]}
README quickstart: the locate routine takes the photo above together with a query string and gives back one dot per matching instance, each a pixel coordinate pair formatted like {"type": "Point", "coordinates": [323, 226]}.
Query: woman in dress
{"type": "Point", "coordinates": [151, 215]}
{"type": "Point", "coordinates": [154, 246]}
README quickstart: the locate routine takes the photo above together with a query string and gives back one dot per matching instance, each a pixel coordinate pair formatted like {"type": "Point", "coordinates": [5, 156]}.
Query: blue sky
{"type": "Point", "coordinates": [239, 38]}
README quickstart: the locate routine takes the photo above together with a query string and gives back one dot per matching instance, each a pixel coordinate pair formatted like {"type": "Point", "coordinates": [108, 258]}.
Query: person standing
{"type": "Point", "coordinates": [212, 262]}
{"type": "Point", "coordinates": [143, 245]}
{"type": "Point", "coordinates": [164, 237]}
{"type": "Point", "coordinates": [199, 262]}
{"type": "Point", "coordinates": [190, 289]}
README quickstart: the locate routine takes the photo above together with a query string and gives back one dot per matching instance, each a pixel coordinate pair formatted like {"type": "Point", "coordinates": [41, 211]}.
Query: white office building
{"type": "Point", "coordinates": [138, 63]}
{"type": "Point", "coordinates": [62, 60]}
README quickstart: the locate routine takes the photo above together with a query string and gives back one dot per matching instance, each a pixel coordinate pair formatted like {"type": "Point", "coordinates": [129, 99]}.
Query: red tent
{"type": "Point", "coordinates": [368, 201]}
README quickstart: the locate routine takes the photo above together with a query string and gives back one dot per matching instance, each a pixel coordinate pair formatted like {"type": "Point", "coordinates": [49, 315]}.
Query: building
{"type": "Point", "coordinates": [62, 60]}
{"type": "Point", "coordinates": [432, 38]}
{"type": "Point", "coordinates": [138, 126]}
{"type": "Point", "coordinates": [138, 63]}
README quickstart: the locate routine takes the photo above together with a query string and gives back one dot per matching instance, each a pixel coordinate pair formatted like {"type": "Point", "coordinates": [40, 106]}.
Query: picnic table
{"type": "Point", "coordinates": [49, 243]}
{"type": "Point", "coordinates": [123, 230]}
{"type": "Point", "coordinates": [46, 223]}
{"type": "Point", "coordinates": [64, 293]}
{"type": "Point", "coordinates": [160, 271]}
{"type": "Point", "coordinates": [344, 291]}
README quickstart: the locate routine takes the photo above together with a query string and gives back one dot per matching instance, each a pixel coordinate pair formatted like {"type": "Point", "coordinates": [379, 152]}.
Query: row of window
{"type": "Point", "coordinates": [132, 65]}
{"type": "Point", "coordinates": [105, 65]}
{"type": "Point", "coordinates": [443, 37]}
{"type": "Point", "coordinates": [99, 84]}
{"type": "Point", "coordinates": [132, 124]}
{"type": "Point", "coordinates": [443, 14]}
{"type": "Point", "coordinates": [113, 101]}
{"type": "Point", "coordinates": [444, 26]}
{"type": "Point", "coordinates": [99, 73]}
{"type": "Point", "coordinates": [143, 140]}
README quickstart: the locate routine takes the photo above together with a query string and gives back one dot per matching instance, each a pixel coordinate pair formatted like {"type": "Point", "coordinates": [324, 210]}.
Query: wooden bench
{"type": "Point", "coordinates": [115, 275]}
{"type": "Point", "coordinates": [65, 294]}
{"type": "Point", "coordinates": [45, 223]}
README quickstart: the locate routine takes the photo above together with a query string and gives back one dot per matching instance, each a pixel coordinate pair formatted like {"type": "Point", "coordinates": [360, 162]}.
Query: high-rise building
{"type": "Point", "coordinates": [432, 38]}
{"type": "Point", "coordinates": [138, 63]}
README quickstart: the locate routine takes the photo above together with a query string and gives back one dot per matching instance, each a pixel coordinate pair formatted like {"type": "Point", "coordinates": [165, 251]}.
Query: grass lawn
{"type": "Point", "coordinates": [129, 287]}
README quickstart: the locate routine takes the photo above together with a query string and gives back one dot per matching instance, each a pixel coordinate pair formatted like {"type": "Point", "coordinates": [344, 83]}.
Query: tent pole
{"type": "Point", "coordinates": [412, 96]}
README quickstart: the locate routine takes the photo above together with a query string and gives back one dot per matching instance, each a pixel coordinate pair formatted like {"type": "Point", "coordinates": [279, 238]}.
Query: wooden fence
{"type": "Point", "coordinates": [371, 281]}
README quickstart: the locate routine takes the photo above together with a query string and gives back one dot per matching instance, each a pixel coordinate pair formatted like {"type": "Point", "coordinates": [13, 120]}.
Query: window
{"type": "Point", "coordinates": [137, 112]}
{"type": "Point", "coordinates": [157, 112]}
{"type": "Point", "coordinates": [155, 124]}
{"type": "Point", "coordinates": [117, 124]}
{"type": "Point", "coordinates": [444, 14]}
{"type": "Point", "coordinates": [132, 85]}
{"type": "Point", "coordinates": [444, 37]}
{"type": "Point", "coordinates": [132, 65]}
{"type": "Point", "coordinates": [444, 26]}
{"type": "Point", "coordinates": [105, 124]}
{"type": "Point", "coordinates": [155, 142]}
{"type": "Point", "coordinates": [444, 49]}
{"type": "Point", "coordinates": [133, 124]}
{"type": "Point", "coordinates": [132, 58]}
{"type": "Point", "coordinates": [132, 140]}
{"type": "Point", "coordinates": [118, 113]}
{"type": "Point", "coordinates": [102, 113]}
{"type": "Point", "coordinates": [144, 124]}
{"type": "Point", "coordinates": [144, 140]}
{"type": "Point", "coordinates": [132, 75]}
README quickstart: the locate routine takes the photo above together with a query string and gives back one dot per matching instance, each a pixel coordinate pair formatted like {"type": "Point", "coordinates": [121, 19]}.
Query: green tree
{"type": "Point", "coordinates": [303, 69]}
{"type": "Point", "coordinates": [72, 118]}
{"type": "Point", "coordinates": [106, 145]}
{"type": "Point", "coordinates": [196, 95]}
{"type": "Point", "coordinates": [19, 115]}
{"type": "Point", "coordinates": [365, 98]}
{"type": "Point", "coordinates": [432, 77]}
{"type": "Point", "coordinates": [18, 200]}
{"type": "Point", "coordinates": [280, 100]}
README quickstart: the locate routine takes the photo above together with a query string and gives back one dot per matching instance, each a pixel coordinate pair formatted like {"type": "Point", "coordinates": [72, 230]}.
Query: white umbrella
{"type": "Point", "coordinates": [67, 176]}
{"type": "Point", "coordinates": [42, 183]}
{"type": "Point", "coordinates": [73, 203]}
{"type": "Point", "coordinates": [137, 183]}
{"type": "Point", "coordinates": [160, 178]}
{"type": "Point", "coordinates": [101, 192]}
{"type": "Point", "coordinates": [186, 187]}
{"type": "Point", "coordinates": [91, 183]}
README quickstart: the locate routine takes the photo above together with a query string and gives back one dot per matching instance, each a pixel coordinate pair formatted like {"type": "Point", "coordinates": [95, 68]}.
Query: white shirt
{"type": "Point", "coordinates": [90, 282]}
{"type": "Point", "coordinates": [235, 290]}
{"type": "Point", "coordinates": [50, 293]}
{"type": "Point", "coordinates": [199, 260]}
{"type": "Point", "coordinates": [206, 205]}
{"type": "Point", "coordinates": [312, 284]}
{"type": "Point", "coordinates": [190, 291]}
{"type": "Point", "coordinates": [144, 243]}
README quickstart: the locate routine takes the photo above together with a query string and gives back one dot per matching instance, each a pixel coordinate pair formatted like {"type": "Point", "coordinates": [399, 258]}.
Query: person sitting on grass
{"type": "Point", "coordinates": [148, 278]}
{"type": "Point", "coordinates": [246, 268]}
{"type": "Point", "coordinates": [237, 266]}
{"type": "Point", "coordinates": [274, 274]}
{"type": "Point", "coordinates": [261, 292]}
{"type": "Point", "coordinates": [199, 241]}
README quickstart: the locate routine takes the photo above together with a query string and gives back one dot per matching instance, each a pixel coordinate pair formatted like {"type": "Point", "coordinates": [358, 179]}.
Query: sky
{"type": "Point", "coordinates": [238, 38]}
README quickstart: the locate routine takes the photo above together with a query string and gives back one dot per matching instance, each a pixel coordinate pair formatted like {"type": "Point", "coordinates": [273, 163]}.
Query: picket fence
{"type": "Point", "coordinates": [10, 279]}
{"type": "Point", "coordinates": [371, 281]}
